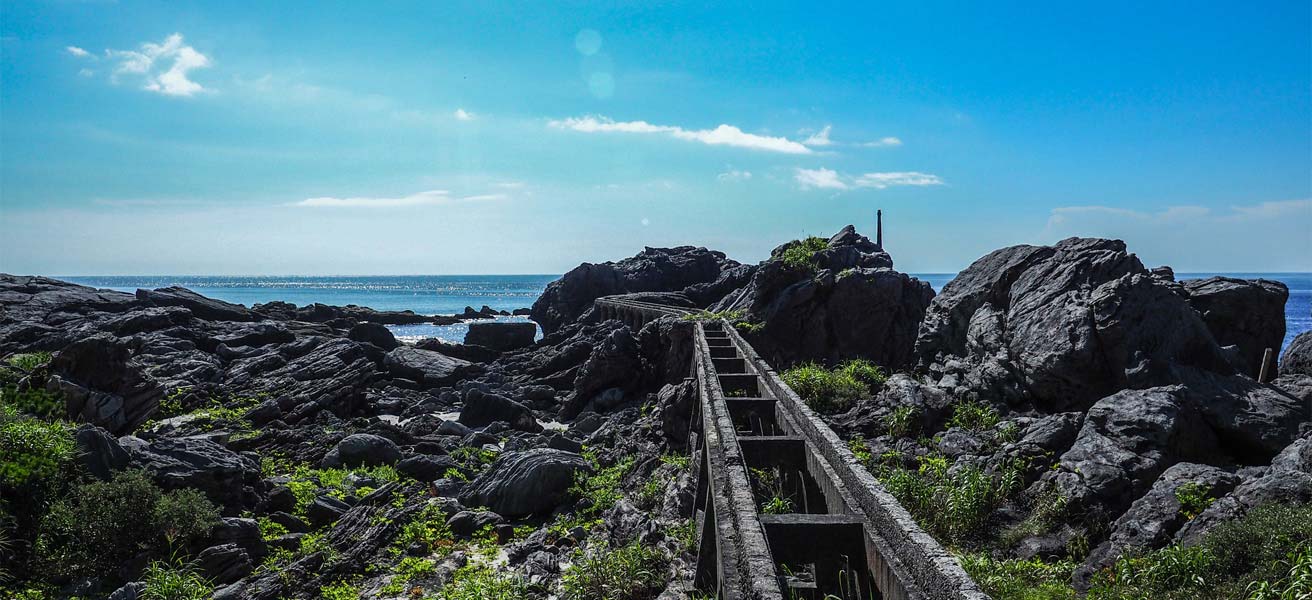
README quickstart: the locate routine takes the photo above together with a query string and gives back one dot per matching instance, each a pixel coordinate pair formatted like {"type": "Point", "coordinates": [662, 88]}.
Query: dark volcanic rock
{"type": "Point", "coordinates": [225, 563]}
{"type": "Point", "coordinates": [102, 385]}
{"type": "Point", "coordinates": [99, 452]}
{"type": "Point", "coordinates": [426, 468]}
{"type": "Point", "coordinates": [427, 367]}
{"type": "Point", "coordinates": [481, 409]}
{"type": "Point", "coordinates": [1249, 314]}
{"type": "Point", "coordinates": [1128, 439]}
{"type": "Point", "coordinates": [205, 308]}
{"type": "Point", "coordinates": [652, 270]}
{"type": "Point", "coordinates": [362, 449]}
{"type": "Point", "coordinates": [325, 510]}
{"type": "Point", "coordinates": [374, 333]}
{"type": "Point", "coordinates": [1297, 358]}
{"type": "Point", "coordinates": [525, 483]}
{"type": "Point", "coordinates": [1060, 327]}
{"type": "Point", "coordinates": [855, 305]}
{"type": "Point", "coordinates": [1154, 518]}
{"type": "Point", "coordinates": [615, 364]}
{"type": "Point", "coordinates": [227, 478]}
{"type": "Point", "coordinates": [501, 336]}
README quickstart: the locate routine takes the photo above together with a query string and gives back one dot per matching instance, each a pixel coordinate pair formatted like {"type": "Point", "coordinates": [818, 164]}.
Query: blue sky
{"type": "Point", "coordinates": [307, 138]}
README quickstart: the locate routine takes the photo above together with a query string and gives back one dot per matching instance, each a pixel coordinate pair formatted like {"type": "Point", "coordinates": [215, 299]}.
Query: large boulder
{"type": "Point", "coordinates": [1247, 314]}
{"type": "Point", "coordinates": [228, 479]}
{"type": "Point", "coordinates": [614, 364]}
{"type": "Point", "coordinates": [482, 408]}
{"type": "Point", "coordinates": [99, 452]}
{"type": "Point", "coordinates": [525, 483]}
{"type": "Point", "coordinates": [1297, 359]}
{"type": "Point", "coordinates": [652, 270]}
{"type": "Point", "coordinates": [501, 336]}
{"type": "Point", "coordinates": [202, 307]}
{"type": "Point", "coordinates": [426, 366]}
{"type": "Point", "coordinates": [102, 385]}
{"type": "Point", "coordinates": [849, 303]}
{"type": "Point", "coordinates": [362, 449]}
{"type": "Point", "coordinates": [1060, 327]}
{"type": "Point", "coordinates": [1128, 439]}
{"type": "Point", "coordinates": [1154, 518]}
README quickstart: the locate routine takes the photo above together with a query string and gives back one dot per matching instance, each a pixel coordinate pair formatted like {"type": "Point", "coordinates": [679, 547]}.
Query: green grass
{"type": "Point", "coordinates": [903, 422]}
{"type": "Point", "coordinates": [833, 390]}
{"type": "Point", "coordinates": [306, 482]}
{"type": "Point", "coordinates": [339, 591]}
{"type": "Point", "coordinates": [974, 416]}
{"type": "Point", "coordinates": [954, 506]}
{"type": "Point", "coordinates": [428, 529]}
{"type": "Point", "coordinates": [1017, 579]}
{"type": "Point", "coordinates": [166, 581]}
{"type": "Point", "coordinates": [631, 572]}
{"type": "Point", "coordinates": [478, 582]}
{"type": "Point", "coordinates": [800, 254]}
{"type": "Point", "coordinates": [706, 316]}
{"type": "Point", "coordinates": [32, 450]}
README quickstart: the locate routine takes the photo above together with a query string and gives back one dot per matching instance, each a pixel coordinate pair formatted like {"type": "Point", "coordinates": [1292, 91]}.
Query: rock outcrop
{"type": "Point", "coordinates": [1246, 314]}
{"type": "Point", "coordinates": [525, 483]}
{"type": "Point", "coordinates": [501, 336]}
{"type": "Point", "coordinates": [652, 270]}
{"type": "Point", "coordinates": [847, 302]}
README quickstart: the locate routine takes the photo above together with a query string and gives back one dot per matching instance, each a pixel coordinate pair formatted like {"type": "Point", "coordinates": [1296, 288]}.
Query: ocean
{"type": "Point", "coordinates": [447, 294]}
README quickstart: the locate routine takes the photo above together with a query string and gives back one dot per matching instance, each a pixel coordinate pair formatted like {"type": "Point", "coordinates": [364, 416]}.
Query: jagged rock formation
{"type": "Point", "coordinates": [849, 303]}
{"type": "Point", "coordinates": [652, 270]}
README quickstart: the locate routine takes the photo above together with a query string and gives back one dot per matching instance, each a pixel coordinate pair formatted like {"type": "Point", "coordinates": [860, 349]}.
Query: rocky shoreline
{"type": "Point", "coordinates": [315, 455]}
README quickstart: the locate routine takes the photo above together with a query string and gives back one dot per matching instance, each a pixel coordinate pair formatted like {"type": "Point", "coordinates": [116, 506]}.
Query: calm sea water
{"type": "Point", "coordinates": [447, 294]}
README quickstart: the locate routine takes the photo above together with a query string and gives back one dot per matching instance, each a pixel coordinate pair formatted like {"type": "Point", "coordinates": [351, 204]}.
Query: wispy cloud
{"type": "Point", "coordinates": [1285, 209]}
{"type": "Point", "coordinates": [724, 135]}
{"type": "Point", "coordinates": [820, 138]}
{"type": "Point", "coordinates": [78, 52]}
{"type": "Point", "coordinates": [828, 179]}
{"type": "Point", "coordinates": [464, 115]}
{"type": "Point", "coordinates": [428, 198]}
{"type": "Point", "coordinates": [885, 142]}
{"type": "Point", "coordinates": [164, 68]}
{"type": "Point", "coordinates": [734, 175]}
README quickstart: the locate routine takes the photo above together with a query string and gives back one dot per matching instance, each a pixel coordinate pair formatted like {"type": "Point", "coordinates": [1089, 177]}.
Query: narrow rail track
{"type": "Point", "coordinates": [783, 508]}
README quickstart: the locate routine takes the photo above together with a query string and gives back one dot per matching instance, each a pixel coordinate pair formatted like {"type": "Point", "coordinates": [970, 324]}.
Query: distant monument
{"type": "Point", "coordinates": [879, 228]}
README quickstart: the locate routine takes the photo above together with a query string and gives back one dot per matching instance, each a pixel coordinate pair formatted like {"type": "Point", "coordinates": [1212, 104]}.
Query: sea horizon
{"type": "Point", "coordinates": [450, 294]}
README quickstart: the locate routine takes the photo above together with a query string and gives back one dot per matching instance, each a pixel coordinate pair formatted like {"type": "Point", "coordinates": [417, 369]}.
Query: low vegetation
{"type": "Point", "coordinates": [631, 572]}
{"type": "Point", "coordinates": [800, 254]}
{"type": "Point", "coordinates": [834, 390]}
{"type": "Point", "coordinates": [171, 581]}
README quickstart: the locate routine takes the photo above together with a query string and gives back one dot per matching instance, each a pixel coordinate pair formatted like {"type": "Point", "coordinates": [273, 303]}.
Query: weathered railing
{"type": "Point", "coordinates": [830, 528]}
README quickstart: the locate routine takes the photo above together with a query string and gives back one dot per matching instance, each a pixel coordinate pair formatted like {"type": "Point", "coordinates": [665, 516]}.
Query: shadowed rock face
{"type": "Point", "coordinates": [852, 304]}
{"type": "Point", "coordinates": [652, 270]}
{"type": "Point", "coordinates": [1060, 327]}
{"type": "Point", "coordinates": [1297, 359]}
{"type": "Point", "coordinates": [525, 483]}
{"type": "Point", "coordinates": [1247, 314]}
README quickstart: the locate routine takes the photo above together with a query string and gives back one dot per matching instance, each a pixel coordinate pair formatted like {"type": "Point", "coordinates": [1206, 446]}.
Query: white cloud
{"type": "Point", "coordinates": [428, 198]}
{"type": "Point", "coordinates": [164, 67]}
{"type": "Point", "coordinates": [78, 52]}
{"type": "Point", "coordinates": [885, 142]}
{"type": "Point", "coordinates": [734, 175]}
{"type": "Point", "coordinates": [724, 135]}
{"type": "Point", "coordinates": [822, 178]}
{"type": "Point", "coordinates": [819, 138]}
{"type": "Point", "coordinates": [463, 115]}
{"type": "Point", "coordinates": [829, 179]}
{"type": "Point", "coordinates": [86, 72]}
{"type": "Point", "coordinates": [880, 181]}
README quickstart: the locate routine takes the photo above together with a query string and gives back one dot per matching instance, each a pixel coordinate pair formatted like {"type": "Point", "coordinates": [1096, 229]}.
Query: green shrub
{"type": "Point", "coordinates": [824, 390]}
{"type": "Point", "coordinates": [974, 416]}
{"type": "Point", "coordinates": [800, 254]}
{"type": "Point", "coordinates": [904, 421]}
{"type": "Point", "coordinates": [632, 572]}
{"type": "Point", "coordinates": [1018, 579]}
{"type": "Point", "coordinates": [1296, 583]}
{"type": "Point", "coordinates": [601, 490]}
{"type": "Point", "coordinates": [339, 591]}
{"type": "Point", "coordinates": [166, 581]}
{"type": "Point", "coordinates": [427, 529]}
{"type": "Point", "coordinates": [101, 524]}
{"type": "Point", "coordinates": [32, 450]}
{"type": "Point", "coordinates": [954, 506]}
{"type": "Point", "coordinates": [1193, 499]}
{"type": "Point", "coordinates": [864, 371]}
{"type": "Point", "coordinates": [706, 316]}
{"type": "Point", "coordinates": [478, 582]}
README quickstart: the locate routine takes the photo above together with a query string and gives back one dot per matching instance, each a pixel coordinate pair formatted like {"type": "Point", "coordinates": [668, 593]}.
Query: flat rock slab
{"type": "Point", "coordinates": [426, 366]}
{"type": "Point", "coordinates": [501, 336]}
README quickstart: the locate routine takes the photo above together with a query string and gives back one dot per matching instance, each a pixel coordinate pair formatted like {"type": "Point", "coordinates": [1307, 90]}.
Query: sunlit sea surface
{"type": "Point", "coordinates": [447, 294]}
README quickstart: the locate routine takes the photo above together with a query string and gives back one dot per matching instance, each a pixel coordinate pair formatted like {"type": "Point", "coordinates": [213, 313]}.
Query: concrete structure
{"type": "Point", "coordinates": [841, 532]}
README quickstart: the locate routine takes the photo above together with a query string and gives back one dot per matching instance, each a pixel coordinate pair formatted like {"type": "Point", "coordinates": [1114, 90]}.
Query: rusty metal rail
{"type": "Point", "coordinates": [783, 508]}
